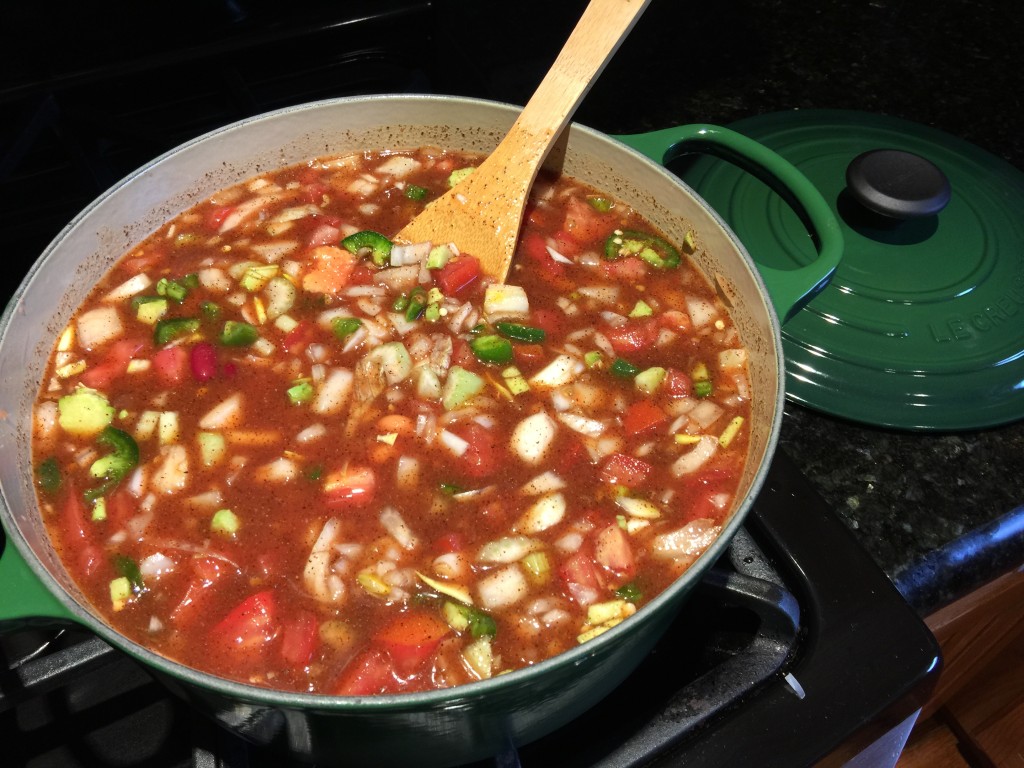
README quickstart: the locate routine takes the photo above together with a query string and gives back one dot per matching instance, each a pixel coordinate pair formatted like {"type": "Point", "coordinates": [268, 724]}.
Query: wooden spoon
{"type": "Point", "coordinates": [482, 213]}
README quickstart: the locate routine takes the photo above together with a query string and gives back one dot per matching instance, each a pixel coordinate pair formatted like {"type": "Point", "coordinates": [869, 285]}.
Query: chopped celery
{"type": "Point", "coordinates": [537, 567]}
{"type": "Point", "coordinates": [301, 392]}
{"type": "Point", "coordinates": [257, 276]}
{"type": "Point", "coordinates": [515, 381]}
{"type": "Point", "coordinates": [458, 175]}
{"type": "Point", "coordinates": [225, 521]}
{"type": "Point", "coordinates": [281, 294]}
{"type": "Point", "coordinates": [480, 657]}
{"type": "Point", "coordinates": [149, 309]}
{"type": "Point", "coordinates": [212, 448]}
{"type": "Point", "coordinates": [702, 388]}
{"type": "Point", "coordinates": [393, 359]}
{"type": "Point", "coordinates": [731, 430]}
{"type": "Point", "coordinates": [99, 510]}
{"type": "Point", "coordinates": [439, 256]}
{"type": "Point", "coordinates": [649, 380]}
{"type": "Point", "coordinates": [120, 593]}
{"type": "Point", "coordinates": [593, 359]}
{"type": "Point", "coordinates": [641, 309]}
{"type": "Point", "coordinates": [459, 387]}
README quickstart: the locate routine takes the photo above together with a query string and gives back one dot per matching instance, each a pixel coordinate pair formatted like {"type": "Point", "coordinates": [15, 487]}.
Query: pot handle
{"type": "Point", "coordinates": [25, 597]}
{"type": "Point", "coordinates": [790, 289]}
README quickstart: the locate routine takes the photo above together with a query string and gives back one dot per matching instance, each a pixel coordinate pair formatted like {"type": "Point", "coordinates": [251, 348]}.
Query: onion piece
{"type": "Point", "coordinates": [695, 458]}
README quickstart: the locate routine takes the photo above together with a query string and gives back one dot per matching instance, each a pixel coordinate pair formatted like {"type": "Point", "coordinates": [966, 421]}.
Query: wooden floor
{"type": "Point", "coordinates": [982, 725]}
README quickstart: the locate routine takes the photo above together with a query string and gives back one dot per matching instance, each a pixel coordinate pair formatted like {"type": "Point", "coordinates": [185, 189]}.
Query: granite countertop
{"type": "Point", "coordinates": [940, 513]}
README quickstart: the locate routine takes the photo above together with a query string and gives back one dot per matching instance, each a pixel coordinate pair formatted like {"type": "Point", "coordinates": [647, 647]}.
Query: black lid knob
{"type": "Point", "coordinates": [897, 183]}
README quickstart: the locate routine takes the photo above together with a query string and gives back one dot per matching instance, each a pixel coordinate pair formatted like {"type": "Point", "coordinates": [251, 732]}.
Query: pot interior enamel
{"type": "Point", "coordinates": [433, 728]}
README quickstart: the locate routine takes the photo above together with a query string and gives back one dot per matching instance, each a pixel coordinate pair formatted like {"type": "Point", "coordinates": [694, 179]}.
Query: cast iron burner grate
{"type": "Point", "coordinates": [796, 603]}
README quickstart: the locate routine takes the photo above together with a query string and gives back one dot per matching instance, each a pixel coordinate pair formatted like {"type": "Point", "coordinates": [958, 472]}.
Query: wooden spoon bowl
{"type": "Point", "coordinates": [482, 214]}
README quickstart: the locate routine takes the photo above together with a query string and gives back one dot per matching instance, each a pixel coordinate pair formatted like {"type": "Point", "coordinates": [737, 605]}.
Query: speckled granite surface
{"type": "Point", "coordinates": [941, 513]}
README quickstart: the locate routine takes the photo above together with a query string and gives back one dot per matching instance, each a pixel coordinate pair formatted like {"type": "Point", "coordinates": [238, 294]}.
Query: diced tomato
{"type": "Point", "coordinates": [462, 353]}
{"type": "Point", "coordinates": [141, 261]}
{"type": "Point", "coordinates": [676, 320]}
{"type": "Point", "coordinates": [299, 639]}
{"type": "Point", "coordinates": [533, 251]}
{"type": "Point", "coordinates": [215, 216]}
{"type": "Point", "coordinates": [299, 337]}
{"type": "Point", "coordinates": [203, 361]}
{"type": "Point", "coordinates": [76, 533]}
{"type": "Point", "coordinates": [633, 336]}
{"type": "Point", "coordinates": [412, 638]}
{"type": "Point", "coordinates": [528, 354]}
{"type": "Point", "coordinates": [613, 551]}
{"type": "Point", "coordinates": [250, 626]}
{"type": "Point", "coordinates": [551, 321]}
{"type": "Point", "coordinates": [362, 274]}
{"type": "Point", "coordinates": [642, 416]}
{"type": "Point", "coordinates": [629, 269]}
{"type": "Point", "coordinates": [449, 542]}
{"type": "Point", "coordinates": [113, 365]}
{"type": "Point", "coordinates": [565, 244]}
{"type": "Point", "coordinates": [582, 576]}
{"type": "Point", "coordinates": [350, 487]}
{"type": "Point", "coordinates": [331, 269]}
{"type": "Point", "coordinates": [677, 383]}
{"type": "Point", "coordinates": [482, 456]}
{"type": "Point", "coordinates": [369, 672]}
{"type": "Point", "coordinates": [570, 454]}
{"type": "Point", "coordinates": [314, 193]}
{"type": "Point", "coordinates": [585, 223]}
{"type": "Point", "coordinates": [698, 491]}
{"type": "Point", "coordinates": [623, 469]}
{"type": "Point", "coordinates": [121, 507]}
{"type": "Point", "coordinates": [458, 274]}
{"type": "Point", "coordinates": [208, 573]}
{"type": "Point", "coordinates": [171, 364]}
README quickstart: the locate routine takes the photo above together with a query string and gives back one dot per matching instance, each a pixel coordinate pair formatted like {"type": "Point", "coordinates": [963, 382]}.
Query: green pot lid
{"type": "Point", "coordinates": [922, 325]}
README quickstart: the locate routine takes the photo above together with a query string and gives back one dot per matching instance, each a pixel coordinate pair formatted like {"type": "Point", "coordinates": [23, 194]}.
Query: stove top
{"type": "Point", "coordinates": [795, 647]}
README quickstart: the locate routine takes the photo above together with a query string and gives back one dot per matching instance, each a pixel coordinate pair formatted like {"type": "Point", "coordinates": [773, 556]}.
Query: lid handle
{"type": "Point", "coordinates": [789, 289]}
{"type": "Point", "coordinates": [897, 184]}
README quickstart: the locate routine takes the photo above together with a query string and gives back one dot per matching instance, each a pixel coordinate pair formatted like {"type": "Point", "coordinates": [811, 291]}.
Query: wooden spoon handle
{"type": "Point", "coordinates": [597, 35]}
{"type": "Point", "coordinates": [482, 214]}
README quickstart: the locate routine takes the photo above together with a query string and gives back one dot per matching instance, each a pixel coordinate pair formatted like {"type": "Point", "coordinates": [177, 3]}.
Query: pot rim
{"type": "Point", "coordinates": [450, 698]}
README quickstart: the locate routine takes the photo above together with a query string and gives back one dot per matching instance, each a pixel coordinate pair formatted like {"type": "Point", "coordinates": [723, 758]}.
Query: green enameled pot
{"type": "Point", "coordinates": [447, 727]}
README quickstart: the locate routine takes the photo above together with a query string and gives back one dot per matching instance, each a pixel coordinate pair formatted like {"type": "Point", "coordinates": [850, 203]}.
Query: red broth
{"type": "Point", "coordinates": [274, 450]}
